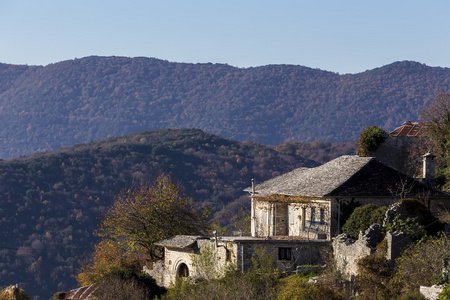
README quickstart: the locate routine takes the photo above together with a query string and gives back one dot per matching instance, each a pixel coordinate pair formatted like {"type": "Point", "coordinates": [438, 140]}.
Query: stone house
{"type": "Point", "coordinates": [181, 252]}
{"type": "Point", "coordinates": [305, 202]}
{"type": "Point", "coordinates": [295, 215]}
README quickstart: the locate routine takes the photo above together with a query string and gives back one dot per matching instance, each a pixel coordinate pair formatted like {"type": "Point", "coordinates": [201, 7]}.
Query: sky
{"type": "Point", "coordinates": [334, 35]}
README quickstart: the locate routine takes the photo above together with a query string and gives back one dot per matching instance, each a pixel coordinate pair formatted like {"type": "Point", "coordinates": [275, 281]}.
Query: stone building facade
{"type": "Point", "coordinates": [183, 253]}
{"type": "Point", "coordinates": [294, 217]}
{"type": "Point", "coordinates": [305, 203]}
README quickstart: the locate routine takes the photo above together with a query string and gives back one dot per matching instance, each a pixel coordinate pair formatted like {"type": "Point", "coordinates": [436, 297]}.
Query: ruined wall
{"type": "Point", "coordinates": [396, 243]}
{"type": "Point", "coordinates": [348, 251]}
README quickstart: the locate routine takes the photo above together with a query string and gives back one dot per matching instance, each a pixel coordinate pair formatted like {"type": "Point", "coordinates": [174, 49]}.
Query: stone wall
{"type": "Point", "coordinates": [302, 252]}
{"type": "Point", "coordinates": [403, 153]}
{"type": "Point", "coordinates": [348, 251]}
{"type": "Point", "coordinates": [239, 252]}
{"type": "Point", "coordinates": [432, 292]}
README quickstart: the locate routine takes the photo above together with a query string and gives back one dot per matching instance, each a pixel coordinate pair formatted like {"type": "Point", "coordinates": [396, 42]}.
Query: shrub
{"type": "Point", "coordinates": [420, 264]}
{"type": "Point", "coordinates": [408, 226]}
{"type": "Point", "coordinates": [362, 217]}
{"type": "Point", "coordinates": [373, 277]}
{"type": "Point", "coordinates": [445, 294]}
{"type": "Point", "coordinates": [128, 285]}
{"type": "Point", "coordinates": [297, 287]}
{"type": "Point", "coordinates": [414, 296]}
{"type": "Point", "coordinates": [370, 139]}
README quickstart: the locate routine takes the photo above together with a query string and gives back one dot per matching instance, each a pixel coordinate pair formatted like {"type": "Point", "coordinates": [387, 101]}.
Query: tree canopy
{"type": "Point", "coordinates": [370, 139]}
{"type": "Point", "coordinates": [437, 114]}
{"type": "Point", "coordinates": [146, 214]}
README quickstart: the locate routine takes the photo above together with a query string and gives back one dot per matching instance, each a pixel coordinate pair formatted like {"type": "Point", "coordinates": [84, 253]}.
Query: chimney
{"type": "Point", "coordinates": [429, 169]}
{"type": "Point", "coordinates": [253, 187]}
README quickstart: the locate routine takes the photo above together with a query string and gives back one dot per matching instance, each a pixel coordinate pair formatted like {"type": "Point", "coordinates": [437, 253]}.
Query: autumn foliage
{"type": "Point", "coordinates": [147, 214]}
{"type": "Point", "coordinates": [108, 257]}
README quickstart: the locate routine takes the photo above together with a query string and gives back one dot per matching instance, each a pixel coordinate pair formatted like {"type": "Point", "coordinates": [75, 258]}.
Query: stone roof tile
{"type": "Point", "coordinates": [345, 176]}
{"type": "Point", "coordinates": [180, 241]}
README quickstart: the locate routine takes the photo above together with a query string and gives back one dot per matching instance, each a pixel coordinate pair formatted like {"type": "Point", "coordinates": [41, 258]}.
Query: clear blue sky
{"type": "Point", "coordinates": [335, 35]}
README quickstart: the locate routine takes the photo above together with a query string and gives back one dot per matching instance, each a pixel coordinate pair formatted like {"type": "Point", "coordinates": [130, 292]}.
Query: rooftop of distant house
{"type": "Point", "coordinates": [410, 129]}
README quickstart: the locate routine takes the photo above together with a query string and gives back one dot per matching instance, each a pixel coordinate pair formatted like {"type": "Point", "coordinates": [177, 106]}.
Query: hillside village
{"type": "Point", "coordinates": [289, 206]}
{"type": "Point", "coordinates": [296, 221]}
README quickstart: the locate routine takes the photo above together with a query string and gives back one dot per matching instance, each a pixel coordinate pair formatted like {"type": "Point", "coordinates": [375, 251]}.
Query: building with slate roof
{"type": "Point", "coordinates": [221, 251]}
{"type": "Point", "coordinates": [295, 215]}
{"type": "Point", "coordinates": [305, 202]}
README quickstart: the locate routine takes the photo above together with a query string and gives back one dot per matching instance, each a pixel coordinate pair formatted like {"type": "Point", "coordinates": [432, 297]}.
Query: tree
{"type": "Point", "coordinates": [241, 221]}
{"type": "Point", "coordinates": [437, 114]}
{"type": "Point", "coordinates": [370, 139]}
{"type": "Point", "coordinates": [109, 257]}
{"type": "Point", "coordinates": [144, 215]}
{"type": "Point", "coordinates": [420, 264]}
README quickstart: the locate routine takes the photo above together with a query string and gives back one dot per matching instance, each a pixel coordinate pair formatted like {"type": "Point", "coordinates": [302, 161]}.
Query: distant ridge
{"type": "Point", "coordinates": [61, 104]}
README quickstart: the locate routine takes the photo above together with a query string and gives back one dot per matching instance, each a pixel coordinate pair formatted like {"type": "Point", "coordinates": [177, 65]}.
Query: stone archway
{"type": "Point", "coordinates": [183, 270]}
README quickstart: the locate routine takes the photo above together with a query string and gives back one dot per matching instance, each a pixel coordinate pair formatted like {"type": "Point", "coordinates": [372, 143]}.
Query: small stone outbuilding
{"type": "Point", "coordinates": [237, 252]}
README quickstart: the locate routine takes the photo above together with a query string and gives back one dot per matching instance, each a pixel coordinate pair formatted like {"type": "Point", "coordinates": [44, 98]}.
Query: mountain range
{"type": "Point", "coordinates": [44, 108]}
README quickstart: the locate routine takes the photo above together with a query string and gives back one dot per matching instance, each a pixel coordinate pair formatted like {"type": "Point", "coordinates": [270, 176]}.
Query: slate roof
{"type": "Point", "coordinates": [84, 292]}
{"type": "Point", "coordinates": [410, 129]}
{"type": "Point", "coordinates": [180, 241]}
{"type": "Point", "coordinates": [345, 176]}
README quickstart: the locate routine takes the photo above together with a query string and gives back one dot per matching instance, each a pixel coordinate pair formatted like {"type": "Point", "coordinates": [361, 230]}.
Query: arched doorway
{"type": "Point", "coordinates": [183, 270]}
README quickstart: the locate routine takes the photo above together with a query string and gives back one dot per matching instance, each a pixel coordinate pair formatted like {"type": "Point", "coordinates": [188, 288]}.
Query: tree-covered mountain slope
{"type": "Point", "coordinates": [75, 101]}
{"type": "Point", "coordinates": [50, 203]}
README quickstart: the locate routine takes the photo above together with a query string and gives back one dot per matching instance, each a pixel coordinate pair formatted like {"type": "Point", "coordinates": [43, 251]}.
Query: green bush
{"type": "Point", "coordinates": [445, 294]}
{"type": "Point", "coordinates": [296, 287]}
{"type": "Point", "coordinates": [373, 277]}
{"type": "Point", "coordinates": [370, 139]}
{"type": "Point", "coordinates": [414, 296]}
{"type": "Point", "coordinates": [420, 264]}
{"type": "Point", "coordinates": [362, 217]}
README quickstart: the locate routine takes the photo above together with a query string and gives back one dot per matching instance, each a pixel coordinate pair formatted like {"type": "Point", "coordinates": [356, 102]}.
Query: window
{"type": "Point", "coordinates": [291, 215]}
{"type": "Point", "coordinates": [260, 216]}
{"type": "Point", "coordinates": [228, 255]}
{"type": "Point", "coordinates": [284, 254]}
{"type": "Point", "coordinates": [322, 216]}
{"type": "Point", "coordinates": [313, 214]}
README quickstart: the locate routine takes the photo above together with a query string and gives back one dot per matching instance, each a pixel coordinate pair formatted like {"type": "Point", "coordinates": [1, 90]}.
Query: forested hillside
{"type": "Point", "coordinates": [50, 202]}
{"type": "Point", "coordinates": [45, 108]}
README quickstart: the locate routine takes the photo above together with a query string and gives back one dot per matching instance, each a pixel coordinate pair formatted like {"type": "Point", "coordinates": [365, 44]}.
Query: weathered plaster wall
{"type": "Point", "coordinates": [302, 252]}
{"type": "Point", "coordinates": [307, 220]}
{"type": "Point", "coordinates": [239, 254]}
